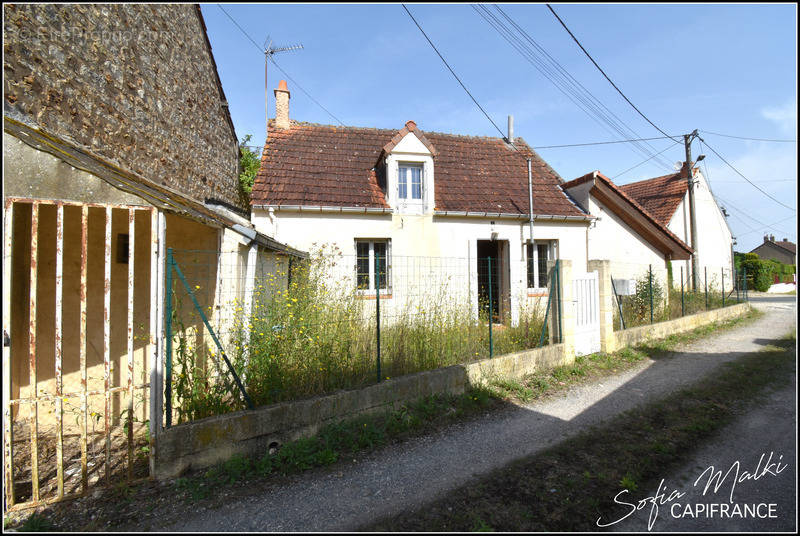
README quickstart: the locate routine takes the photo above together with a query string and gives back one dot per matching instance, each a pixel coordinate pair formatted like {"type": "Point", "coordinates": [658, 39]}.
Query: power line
{"type": "Point", "coordinates": [645, 161]}
{"type": "Point", "coordinates": [742, 176]}
{"type": "Point", "coordinates": [602, 71]}
{"type": "Point", "coordinates": [293, 81]}
{"type": "Point", "coordinates": [762, 182]}
{"type": "Point", "coordinates": [770, 226]}
{"type": "Point", "coordinates": [598, 143]}
{"type": "Point", "coordinates": [744, 138]}
{"type": "Point", "coordinates": [744, 213]}
{"type": "Point", "coordinates": [453, 72]}
{"type": "Point", "coordinates": [555, 73]}
{"type": "Point", "coordinates": [315, 101]}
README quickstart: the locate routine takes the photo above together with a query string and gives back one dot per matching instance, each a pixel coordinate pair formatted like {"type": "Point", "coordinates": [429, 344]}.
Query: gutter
{"type": "Point", "coordinates": [317, 208]}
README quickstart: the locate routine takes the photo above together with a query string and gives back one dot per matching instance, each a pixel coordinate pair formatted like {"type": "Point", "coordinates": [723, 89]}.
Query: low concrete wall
{"type": "Point", "coordinates": [209, 441]}
{"type": "Point", "coordinates": [633, 336]}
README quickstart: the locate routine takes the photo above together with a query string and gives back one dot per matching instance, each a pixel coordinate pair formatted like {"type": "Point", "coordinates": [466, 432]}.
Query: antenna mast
{"type": "Point", "coordinates": [269, 50]}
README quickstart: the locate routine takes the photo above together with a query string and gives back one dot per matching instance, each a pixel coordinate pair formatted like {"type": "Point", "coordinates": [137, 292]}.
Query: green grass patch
{"type": "Point", "coordinates": [567, 487]}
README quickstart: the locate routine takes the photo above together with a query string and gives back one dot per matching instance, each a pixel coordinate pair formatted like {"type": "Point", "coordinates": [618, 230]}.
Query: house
{"type": "Point", "coordinates": [781, 251]}
{"type": "Point", "coordinates": [623, 232]}
{"type": "Point", "coordinates": [438, 210]}
{"type": "Point", "coordinates": [117, 145]}
{"type": "Point", "coordinates": [666, 199]}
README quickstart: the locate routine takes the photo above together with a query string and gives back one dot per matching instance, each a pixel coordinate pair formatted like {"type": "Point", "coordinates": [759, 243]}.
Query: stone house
{"type": "Point", "coordinates": [117, 145]}
{"type": "Point", "coordinates": [781, 251]}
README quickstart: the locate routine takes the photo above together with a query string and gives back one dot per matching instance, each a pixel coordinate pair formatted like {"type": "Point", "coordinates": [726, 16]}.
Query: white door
{"type": "Point", "coordinates": [587, 313]}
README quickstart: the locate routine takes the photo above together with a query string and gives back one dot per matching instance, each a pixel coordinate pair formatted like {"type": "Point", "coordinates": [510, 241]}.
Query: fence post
{"type": "Point", "coordinates": [491, 343]}
{"type": "Point", "coordinates": [682, 305]}
{"type": "Point", "coordinates": [722, 270]}
{"type": "Point", "coordinates": [560, 309]}
{"type": "Point", "coordinates": [744, 277]}
{"type": "Point", "coordinates": [378, 312]}
{"type": "Point", "coordinates": [619, 305]}
{"type": "Point", "coordinates": [650, 286]}
{"type": "Point", "coordinates": [705, 283]}
{"type": "Point", "coordinates": [168, 342]}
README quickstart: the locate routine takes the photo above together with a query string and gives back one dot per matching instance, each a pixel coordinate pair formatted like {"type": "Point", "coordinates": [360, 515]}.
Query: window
{"type": "Point", "coordinates": [537, 263]}
{"type": "Point", "coordinates": [409, 182]}
{"type": "Point", "coordinates": [368, 254]}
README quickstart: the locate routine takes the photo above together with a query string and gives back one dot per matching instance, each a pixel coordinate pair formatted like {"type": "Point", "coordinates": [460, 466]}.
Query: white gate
{"type": "Point", "coordinates": [587, 313]}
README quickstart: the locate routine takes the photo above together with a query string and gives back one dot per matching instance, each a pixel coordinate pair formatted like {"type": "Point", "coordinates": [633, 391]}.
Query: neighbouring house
{"type": "Point", "coordinates": [666, 199]}
{"type": "Point", "coordinates": [117, 145]}
{"type": "Point", "coordinates": [624, 232]}
{"type": "Point", "coordinates": [432, 208]}
{"type": "Point", "coordinates": [781, 251]}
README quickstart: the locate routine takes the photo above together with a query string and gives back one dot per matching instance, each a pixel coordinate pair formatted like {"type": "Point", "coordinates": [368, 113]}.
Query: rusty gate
{"type": "Point", "coordinates": [79, 330]}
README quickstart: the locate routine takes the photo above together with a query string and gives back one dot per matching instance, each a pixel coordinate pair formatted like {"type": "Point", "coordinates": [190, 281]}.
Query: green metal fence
{"type": "Point", "coordinates": [301, 328]}
{"type": "Point", "coordinates": [665, 296]}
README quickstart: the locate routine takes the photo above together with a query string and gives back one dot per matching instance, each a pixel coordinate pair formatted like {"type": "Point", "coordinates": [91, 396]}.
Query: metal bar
{"type": "Point", "coordinates": [213, 335]}
{"type": "Point", "coordinates": [547, 309]}
{"type": "Point", "coordinates": [723, 285]}
{"type": "Point", "coordinates": [558, 302]}
{"type": "Point", "coordinates": [107, 339]}
{"type": "Point", "coordinates": [157, 252]}
{"type": "Point", "coordinates": [131, 267]}
{"type": "Point", "coordinates": [682, 305]}
{"type": "Point", "coordinates": [491, 309]}
{"type": "Point", "coordinates": [84, 380]}
{"type": "Point", "coordinates": [34, 415]}
{"type": "Point", "coordinates": [650, 286]}
{"type": "Point", "coordinates": [619, 304]}
{"type": "Point", "coordinates": [705, 283]}
{"type": "Point", "coordinates": [8, 435]}
{"type": "Point", "coordinates": [168, 340]}
{"type": "Point", "coordinates": [378, 313]}
{"type": "Point", "coordinates": [58, 348]}
{"type": "Point", "coordinates": [47, 397]}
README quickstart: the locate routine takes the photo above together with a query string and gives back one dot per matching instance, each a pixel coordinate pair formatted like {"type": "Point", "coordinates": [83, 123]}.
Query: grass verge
{"type": "Point", "coordinates": [567, 487]}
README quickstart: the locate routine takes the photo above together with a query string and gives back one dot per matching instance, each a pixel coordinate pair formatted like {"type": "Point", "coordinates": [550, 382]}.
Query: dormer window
{"type": "Point", "coordinates": [409, 182]}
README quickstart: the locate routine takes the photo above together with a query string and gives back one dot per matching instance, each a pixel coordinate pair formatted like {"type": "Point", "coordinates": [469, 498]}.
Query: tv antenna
{"type": "Point", "coordinates": [269, 51]}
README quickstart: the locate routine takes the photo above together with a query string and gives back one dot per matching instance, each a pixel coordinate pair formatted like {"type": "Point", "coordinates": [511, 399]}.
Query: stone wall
{"type": "Point", "coordinates": [134, 84]}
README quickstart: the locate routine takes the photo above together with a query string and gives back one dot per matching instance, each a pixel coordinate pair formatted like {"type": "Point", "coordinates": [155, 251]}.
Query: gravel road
{"type": "Point", "coordinates": [404, 476]}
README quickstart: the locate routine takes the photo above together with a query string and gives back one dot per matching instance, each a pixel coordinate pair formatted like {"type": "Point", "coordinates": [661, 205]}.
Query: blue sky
{"type": "Point", "coordinates": [727, 69]}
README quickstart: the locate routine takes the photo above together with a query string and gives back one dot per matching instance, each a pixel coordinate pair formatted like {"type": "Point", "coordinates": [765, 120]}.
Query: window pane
{"type": "Point", "coordinates": [541, 250]}
{"type": "Point", "coordinates": [402, 184]}
{"type": "Point", "coordinates": [362, 265]}
{"type": "Point", "coordinates": [531, 278]}
{"type": "Point", "coordinates": [416, 183]}
{"type": "Point", "coordinates": [380, 257]}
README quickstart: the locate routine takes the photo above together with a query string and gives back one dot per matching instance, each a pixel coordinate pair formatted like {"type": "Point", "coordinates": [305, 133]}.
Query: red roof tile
{"type": "Point", "coordinates": [322, 165]}
{"type": "Point", "coordinates": [660, 196]}
{"type": "Point", "coordinates": [662, 227]}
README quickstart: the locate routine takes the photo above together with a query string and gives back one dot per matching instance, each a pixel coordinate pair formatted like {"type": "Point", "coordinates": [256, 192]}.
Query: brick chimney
{"type": "Point", "coordinates": [282, 106]}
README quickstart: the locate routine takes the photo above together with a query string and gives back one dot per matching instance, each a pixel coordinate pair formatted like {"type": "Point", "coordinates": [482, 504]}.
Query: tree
{"type": "Point", "coordinates": [250, 163]}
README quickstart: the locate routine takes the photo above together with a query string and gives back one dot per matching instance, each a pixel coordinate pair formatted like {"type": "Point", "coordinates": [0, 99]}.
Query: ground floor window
{"type": "Point", "coordinates": [537, 255]}
{"type": "Point", "coordinates": [370, 253]}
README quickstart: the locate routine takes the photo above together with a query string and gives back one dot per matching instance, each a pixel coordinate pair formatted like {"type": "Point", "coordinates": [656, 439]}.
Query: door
{"type": "Point", "coordinates": [587, 313]}
{"type": "Point", "coordinates": [493, 266]}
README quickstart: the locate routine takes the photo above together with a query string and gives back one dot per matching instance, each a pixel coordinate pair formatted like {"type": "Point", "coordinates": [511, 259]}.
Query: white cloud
{"type": "Point", "coordinates": [785, 116]}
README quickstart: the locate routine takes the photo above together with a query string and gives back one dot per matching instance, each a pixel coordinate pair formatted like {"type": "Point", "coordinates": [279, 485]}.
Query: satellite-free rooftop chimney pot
{"type": "Point", "coordinates": [282, 96]}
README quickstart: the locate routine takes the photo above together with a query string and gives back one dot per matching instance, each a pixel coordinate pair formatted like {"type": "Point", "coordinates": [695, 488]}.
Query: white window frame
{"type": "Point", "coordinates": [410, 201]}
{"type": "Point", "coordinates": [372, 241]}
{"type": "Point", "coordinates": [552, 253]}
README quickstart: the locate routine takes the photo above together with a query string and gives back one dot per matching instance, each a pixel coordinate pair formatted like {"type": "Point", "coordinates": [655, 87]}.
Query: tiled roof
{"type": "Point", "coordinates": [660, 196]}
{"type": "Point", "coordinates": [323, 165]}
{"type": "Point", "coordinates": [787, 245]}
{"type": "Point", "coordinates": [632, 202]}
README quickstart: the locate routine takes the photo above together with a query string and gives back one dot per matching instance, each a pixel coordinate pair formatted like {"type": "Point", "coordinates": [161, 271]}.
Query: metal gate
{"type": "Point", "coordinates": [587, 313]}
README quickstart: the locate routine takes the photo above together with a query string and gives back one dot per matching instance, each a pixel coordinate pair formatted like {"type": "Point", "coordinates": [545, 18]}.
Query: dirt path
{"type": "Point", "coordinates": [404, 476]}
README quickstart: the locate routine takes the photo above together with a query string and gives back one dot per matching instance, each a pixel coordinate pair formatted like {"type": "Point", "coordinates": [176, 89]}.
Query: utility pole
{"type": "Point", "coordinates": [269, 50]}
{"type": "Point", "coordinates": [687, 142]}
